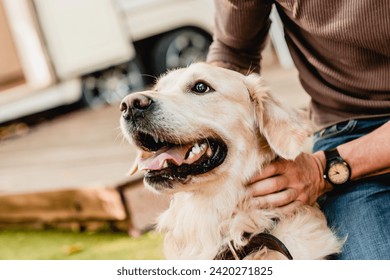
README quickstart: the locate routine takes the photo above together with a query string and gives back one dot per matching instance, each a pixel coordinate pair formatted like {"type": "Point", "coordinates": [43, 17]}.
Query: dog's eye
{"type": "Point", "coordinates": [200, 87]}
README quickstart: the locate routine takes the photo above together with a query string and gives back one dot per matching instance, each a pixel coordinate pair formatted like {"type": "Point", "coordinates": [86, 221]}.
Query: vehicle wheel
{"type": "Point", "coordinates": [110, 86]}
{"type": "Point", "coordinates": [180, 48]}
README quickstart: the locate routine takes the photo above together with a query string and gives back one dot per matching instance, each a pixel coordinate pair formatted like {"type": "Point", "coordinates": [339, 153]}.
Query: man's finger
{"type": "Point", "coordinates": [290, 208]}
{"type": "Point", "coordinates": [272, 169]}
{"type": "Point", "coordinates": [278, 199]}
{"type": "Point", "coordinates": [268, 186]}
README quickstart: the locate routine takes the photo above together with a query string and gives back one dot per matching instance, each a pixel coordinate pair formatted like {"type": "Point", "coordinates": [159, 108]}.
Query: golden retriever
{"type": "Point", "coordinates": [203, 132]}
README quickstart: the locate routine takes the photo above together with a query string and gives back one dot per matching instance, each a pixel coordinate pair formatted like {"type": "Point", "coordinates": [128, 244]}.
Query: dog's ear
{"type": "Point", "coordinates": [285, 129]}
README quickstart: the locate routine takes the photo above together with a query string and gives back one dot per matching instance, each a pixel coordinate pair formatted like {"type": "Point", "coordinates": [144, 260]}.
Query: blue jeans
{"type": "Point", "coordinates": [359, 210]}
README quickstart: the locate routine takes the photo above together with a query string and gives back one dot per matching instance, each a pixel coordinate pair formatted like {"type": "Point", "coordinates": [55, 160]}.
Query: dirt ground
{"type": "Point", "coordinates": [85, 147]}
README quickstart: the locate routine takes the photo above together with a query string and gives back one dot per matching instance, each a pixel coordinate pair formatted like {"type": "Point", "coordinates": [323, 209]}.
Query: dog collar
{"type": "Point", "coordinates": [255, 243]}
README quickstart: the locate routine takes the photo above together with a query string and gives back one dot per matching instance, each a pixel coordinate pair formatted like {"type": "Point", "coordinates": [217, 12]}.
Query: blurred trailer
{"type": "Point", "coordinates": [56, 52]}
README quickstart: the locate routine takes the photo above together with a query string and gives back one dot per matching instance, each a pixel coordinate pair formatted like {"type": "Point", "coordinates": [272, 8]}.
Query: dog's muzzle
{"type": "Point", "coordinates": [167, 158]}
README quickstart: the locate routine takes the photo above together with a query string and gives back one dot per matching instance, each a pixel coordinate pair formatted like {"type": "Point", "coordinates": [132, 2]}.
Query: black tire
{"type": "Point", "coordinates": [110, 86]}
{"type": "Point", "coordinates": [180, 48]}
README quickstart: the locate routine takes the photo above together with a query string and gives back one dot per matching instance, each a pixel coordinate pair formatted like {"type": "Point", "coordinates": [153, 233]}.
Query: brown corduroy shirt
{"type": "Point", "coordinates": [341, 49]}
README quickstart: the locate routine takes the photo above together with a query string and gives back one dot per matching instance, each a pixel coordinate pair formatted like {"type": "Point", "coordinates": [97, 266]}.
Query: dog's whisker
{"type": "Point", "coordinates": [119, 135]}
{"type": "Point", "coordinates": [122, 139]}
{"type": "Point", "coordinates": [149, 76]}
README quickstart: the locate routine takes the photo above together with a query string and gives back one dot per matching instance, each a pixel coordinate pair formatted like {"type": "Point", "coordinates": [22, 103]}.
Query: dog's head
{"type": "Point", "coordinates": [202, 125]}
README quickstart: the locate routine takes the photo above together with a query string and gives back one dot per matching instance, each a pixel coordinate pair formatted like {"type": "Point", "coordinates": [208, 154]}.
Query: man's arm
{"type": "Point", "coordinates": [287, 184]}
{"type": "Point", "coordinates": [368, 155]}
{"type": "Point", "coordinates": [240, 32]}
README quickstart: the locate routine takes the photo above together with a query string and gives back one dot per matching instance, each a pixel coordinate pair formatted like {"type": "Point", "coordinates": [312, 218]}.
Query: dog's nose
{"type": "Point", "coordinates": [134, 104]}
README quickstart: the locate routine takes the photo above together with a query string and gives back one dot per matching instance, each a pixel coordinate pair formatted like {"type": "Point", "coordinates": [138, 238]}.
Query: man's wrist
{"type": "Point", "coordinates": [321, 161]}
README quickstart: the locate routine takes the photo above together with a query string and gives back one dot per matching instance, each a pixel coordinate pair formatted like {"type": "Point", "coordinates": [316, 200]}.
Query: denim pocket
{"type": "Point", "coordinates": [339, 129]}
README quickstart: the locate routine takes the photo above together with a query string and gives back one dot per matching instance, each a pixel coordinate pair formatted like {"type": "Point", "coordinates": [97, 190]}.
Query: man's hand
{"type": "Point", "coordinates": [287, 184]}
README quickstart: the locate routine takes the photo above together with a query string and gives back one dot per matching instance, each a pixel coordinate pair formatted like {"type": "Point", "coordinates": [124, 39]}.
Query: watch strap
{"type": "Point", "coordinates": [331, 154]}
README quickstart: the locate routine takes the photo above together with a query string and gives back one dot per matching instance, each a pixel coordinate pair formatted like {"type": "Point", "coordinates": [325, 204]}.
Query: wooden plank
{"type": "Point", "coordinates": [81, 204]}
{"type": "Point", "coordinates": [143, 206]}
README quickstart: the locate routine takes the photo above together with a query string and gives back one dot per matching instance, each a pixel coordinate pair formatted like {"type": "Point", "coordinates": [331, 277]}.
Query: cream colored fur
{"type": "Point", "coordinates": [212, 209]}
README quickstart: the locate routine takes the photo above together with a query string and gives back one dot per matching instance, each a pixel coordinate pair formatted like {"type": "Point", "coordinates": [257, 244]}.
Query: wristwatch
{"type": "Point", "coordinates": [337, 170]}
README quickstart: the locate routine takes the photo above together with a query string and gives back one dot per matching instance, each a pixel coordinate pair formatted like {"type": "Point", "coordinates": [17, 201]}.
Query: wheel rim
{"type": "Point", "coordinates": [186, 48]}
{"type": "Point", "coordinates": [112, 85]}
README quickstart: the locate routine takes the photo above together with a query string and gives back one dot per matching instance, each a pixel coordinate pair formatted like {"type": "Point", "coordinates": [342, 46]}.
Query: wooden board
{"type": "Point", "coordinates": [93, 204]}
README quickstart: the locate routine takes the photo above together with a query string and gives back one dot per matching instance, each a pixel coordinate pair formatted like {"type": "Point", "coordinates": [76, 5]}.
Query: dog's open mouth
{"type": "Point", "coordinates": [164, 160]}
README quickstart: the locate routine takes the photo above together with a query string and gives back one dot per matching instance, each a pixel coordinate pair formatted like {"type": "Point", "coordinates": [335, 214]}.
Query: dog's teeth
{"type": "Point", "coordinates": [196, 149]}
{"type": "Point", "coordinates": [165, 165]}
{"type": "Point", "coordinates": [203, 146]}
{"type": "Point", "coordinates": [191, 155]}
{"type": "Point", "coordinates": [209, 152]}
{"type": "Point", "coordinates": [155, 138]}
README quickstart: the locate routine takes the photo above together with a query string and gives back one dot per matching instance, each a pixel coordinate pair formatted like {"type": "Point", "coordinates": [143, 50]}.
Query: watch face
{"type": "Point", "coordinates": [338, 173]}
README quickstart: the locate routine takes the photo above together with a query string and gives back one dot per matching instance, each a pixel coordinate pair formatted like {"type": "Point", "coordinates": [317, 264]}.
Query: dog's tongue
{"type": "Point", "coordinates": [156, 160]}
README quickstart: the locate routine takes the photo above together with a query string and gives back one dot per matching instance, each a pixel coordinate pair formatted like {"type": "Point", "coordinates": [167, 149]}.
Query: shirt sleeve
{"type": "Point", "coordinates": [240, 32]}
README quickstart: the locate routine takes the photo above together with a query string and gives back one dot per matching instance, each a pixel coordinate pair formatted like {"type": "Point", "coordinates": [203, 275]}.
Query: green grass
{"type": "Point", "coordinates": [64, 245]}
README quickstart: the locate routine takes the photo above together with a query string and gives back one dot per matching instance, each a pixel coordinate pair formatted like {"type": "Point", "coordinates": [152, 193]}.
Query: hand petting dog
{"type": "Point", "coordinates": [288, 184]}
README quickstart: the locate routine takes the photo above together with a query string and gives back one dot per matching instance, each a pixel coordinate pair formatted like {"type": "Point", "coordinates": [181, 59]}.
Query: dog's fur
{"type": "Point", "coordinates": [209, 210]}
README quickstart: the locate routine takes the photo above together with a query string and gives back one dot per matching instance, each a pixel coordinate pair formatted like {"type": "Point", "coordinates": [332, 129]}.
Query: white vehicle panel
{"type": "Point", "coordinates": [142, 16]}
{"type": "Point", "coordinates": [83, 35]}
{"type": "Point", "coordinates": [64, 93]}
